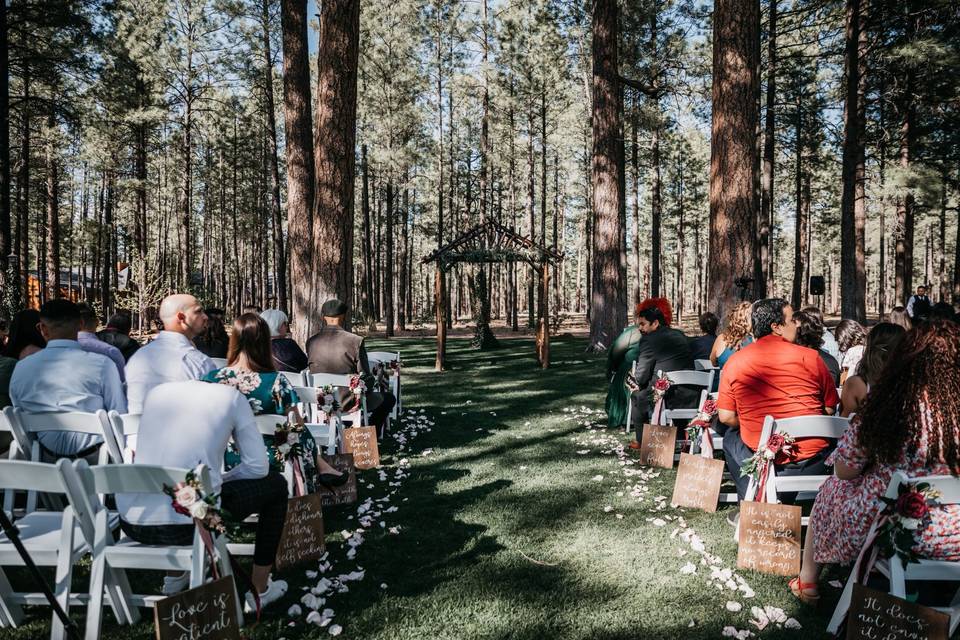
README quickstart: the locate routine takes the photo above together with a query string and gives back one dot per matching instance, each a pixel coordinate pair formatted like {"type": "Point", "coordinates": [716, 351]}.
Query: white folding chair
{"type": "Point", "coordinates": [893, 569]}
{"type": "Point", "coordinates": [703, 379]}
{"type": "Point", "coordinates": [219, 362]}
{"type": "Point", "coordinates": [52, 538]}
{"type": "Point", "coordinates": [13, 453]}
{"type": "Point", "coordinates": [701, 364]}
{"type": "Point", "coordinates": [125, 427]}
{"type": "Point", "coordinates": [26, 425]}
{"type": "Point", "coordinates": [385, 357]}
{"type": "Point", "coordinates": [296, 379]}
{"type": "Point", "coordinates": [327, 434]}
{"type": "Point", "coordinates": [807, 486]}
{"type": "Point", "coordinates": [357, 418]}
{"type": "Point", "coordinates": [111, 559]}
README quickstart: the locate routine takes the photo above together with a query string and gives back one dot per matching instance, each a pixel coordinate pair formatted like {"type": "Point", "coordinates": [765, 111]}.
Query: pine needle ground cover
{"type": "Point", "coordinates": [512, 512]}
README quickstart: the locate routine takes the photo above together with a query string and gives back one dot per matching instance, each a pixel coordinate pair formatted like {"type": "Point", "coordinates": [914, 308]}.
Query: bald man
{"type": "Point", "coordinates": [172, 356]}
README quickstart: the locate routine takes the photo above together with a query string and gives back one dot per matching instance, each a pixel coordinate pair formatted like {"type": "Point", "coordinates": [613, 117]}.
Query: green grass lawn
{"type": "Point", "coordinates": [515, 520]}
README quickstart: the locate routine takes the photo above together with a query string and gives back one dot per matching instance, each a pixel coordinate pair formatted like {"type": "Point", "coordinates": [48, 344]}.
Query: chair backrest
{"type": "Point", "coordinates": [296, 379]}
{"type": "Point", "coordinates": [693, 378]}
{"type": "Point", "coordinates": [25, 424]}
{"type": "Point", "coordinates": [20, 475]}
{"type": "Point", "coordinates": [267, 423]}
{"type": "Point", "coordinates": [219, 362]}
{"type": "Point", "coordinates": [701, 364]}
{"type": "Point", "coordinates": [137, 478]}
{"type": "Point", "coordinates": [948, 486]}
{"type": "Point", "coordinates": [323, 379]}
{"type": "Point", "coordinates": [830, 427]}
{"type": "Point", "coordinates": [125, 427]}
{"type": "Point", "coordinates": [383, 356]}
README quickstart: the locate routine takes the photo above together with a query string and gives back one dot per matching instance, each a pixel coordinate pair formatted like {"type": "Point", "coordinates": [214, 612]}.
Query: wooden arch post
{"type": "Point", "coordinates": [543, 323]}
{"type": "Point", "coordinates": [439, 299]}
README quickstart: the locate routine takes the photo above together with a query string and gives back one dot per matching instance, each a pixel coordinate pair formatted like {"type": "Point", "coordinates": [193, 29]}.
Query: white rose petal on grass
{"type": "Point", "coordinates": [383, 585]}
{"type": "Point", "coordinates": [597, 478]}
{"type": "Point", "coordinates": [659, 522]}
{"type": "Point", "coordinates": [836, 584]}
{"type": "Point", "coordinates": [791, 623]}
{"type": "Point", "coordinates": [294, 611]}
{"type": "Point", "coordinates": [619, 516]}
{"type": "Point", "coordinates": [313, 618]}
{"type": "Point", "coordinates": [608, 509]}
{"type": "Point", "coordinates": [335, 630]}
{"type": "Point", "coordinates": [734, 606]}
{"type": "Point", "coordinates": [688, 568]}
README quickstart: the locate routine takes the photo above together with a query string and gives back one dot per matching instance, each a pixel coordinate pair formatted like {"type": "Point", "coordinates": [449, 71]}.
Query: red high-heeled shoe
{"type": "Point", "coordinates": [806, 592]}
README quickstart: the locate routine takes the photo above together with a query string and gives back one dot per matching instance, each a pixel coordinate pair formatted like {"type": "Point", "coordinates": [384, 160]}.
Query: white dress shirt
{"type": "Point", "coordinates": [90, 342]}
{"type": "Point", "coordinates": [64, 377]}
{"type": "Point", "coordinates": [189, 423]}
{"type": "Point", "coordinates": [830, 344]}
{"type": "Point", "coordinates": [171, 357]}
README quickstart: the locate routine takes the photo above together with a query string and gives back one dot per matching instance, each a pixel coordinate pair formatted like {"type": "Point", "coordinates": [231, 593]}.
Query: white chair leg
{"type": "Point", "coordinates": [97, 573]}
{"type": "Point", "coordinates": [629, 424]}
{"type": "Point", "coordinates": [198, 562]}
{"type": "Point", "coordinates": [121, 596]}
{"type": "Point", "coordinates": [843, 605]}
{"type": "Point", "coordinates": [64, 574]}
{"type": "Point", "coordinates": [223, 559]}
{"type": "Point", "coordinates": [898, 582]}
{"type": "Point", "coordinates": [11, 612]}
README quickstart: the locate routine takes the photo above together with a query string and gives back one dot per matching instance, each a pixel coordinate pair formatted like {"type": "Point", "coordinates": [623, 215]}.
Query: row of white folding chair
{"type": "Point", "coordinates": [807, 486]}
{"type": "Point", "coordinates": [395, 388]}
{"type": "Point", "coordinates": [702, 379]}
{"type": "Point", "coordinates": [318, 380]}
{"type": "Point", "coordinates": [894, 570]}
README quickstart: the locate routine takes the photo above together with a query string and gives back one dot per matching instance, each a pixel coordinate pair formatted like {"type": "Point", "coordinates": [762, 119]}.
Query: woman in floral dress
{"type": "Point", "coordinates": [251, 371]}
{"type": "Point", "coordinates": [910, 422]}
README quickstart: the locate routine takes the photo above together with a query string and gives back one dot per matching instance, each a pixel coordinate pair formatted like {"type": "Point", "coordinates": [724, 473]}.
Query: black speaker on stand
{"type": "Point", "coordinates": [818, 287]}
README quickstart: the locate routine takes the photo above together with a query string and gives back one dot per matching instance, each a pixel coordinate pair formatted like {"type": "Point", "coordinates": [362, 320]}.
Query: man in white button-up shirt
{"type": "Point", "coordinates": [64, 377]}
{"type": "Point", "coordinates": [172, 356]}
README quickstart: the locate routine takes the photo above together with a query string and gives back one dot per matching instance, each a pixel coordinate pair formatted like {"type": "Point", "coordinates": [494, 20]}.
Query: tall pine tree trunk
{"type": "Point", "coordinates": [853, 216]}
{"type": "Point", "coordinates": [7, 271]}
{"type": "Point", "coordinates": [389, 260]}
{"type": "Point", "coordinates": [279, 252]}
{"type": "Point", "coordinates": [23, 188]}
{"type": "Point", "coordinates": [733, 199]}
{"type": "Point", "coordinates": [800, 227]}
{"type": "Point", "coordinates": [769, 133]}
{"type": "Point", "coordinates": [608, 304]}
{"type": "Point", "coordinates": [334, 143]}
{"type": "Point", "coordinates": [53, 212]}
{"type": "Point", "coordinates": [298, 126]}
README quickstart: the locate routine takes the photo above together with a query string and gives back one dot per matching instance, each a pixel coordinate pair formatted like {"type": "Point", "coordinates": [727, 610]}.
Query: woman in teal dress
{"type": "Point", "coordinates": [251, 371]}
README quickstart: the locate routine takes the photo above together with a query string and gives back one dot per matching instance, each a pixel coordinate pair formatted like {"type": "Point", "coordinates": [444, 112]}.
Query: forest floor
{"type": "Point", "coordinates": [505, 509]}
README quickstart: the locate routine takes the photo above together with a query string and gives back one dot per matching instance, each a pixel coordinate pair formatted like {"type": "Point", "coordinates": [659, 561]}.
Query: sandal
{"type": "Point", "coordinates": [806, 592]}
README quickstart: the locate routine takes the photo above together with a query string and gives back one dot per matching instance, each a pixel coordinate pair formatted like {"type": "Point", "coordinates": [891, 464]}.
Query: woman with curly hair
{"type": "Point", "coordinates": [620, 359]}
{"type": "Point", "coordinates": [881, 341]}
{"type": "Point", "coordinates": [250, 370]}
{"type": "Point", "coordinates": [851, 338]}
{"type": "Point", "coordinates": [910, 423]}
{"type": "Point", "coordinates": [735, 334]}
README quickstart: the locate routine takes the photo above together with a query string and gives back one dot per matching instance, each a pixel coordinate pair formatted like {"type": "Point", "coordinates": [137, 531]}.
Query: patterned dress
{"type": "Point", "coordinates": [268, 392]}
{"type": "Point", "coordinates": [845, 509]}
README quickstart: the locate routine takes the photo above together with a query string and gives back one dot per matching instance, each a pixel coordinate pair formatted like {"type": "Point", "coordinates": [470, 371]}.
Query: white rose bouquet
{"type": "Point", "coordinates": [189, 500]}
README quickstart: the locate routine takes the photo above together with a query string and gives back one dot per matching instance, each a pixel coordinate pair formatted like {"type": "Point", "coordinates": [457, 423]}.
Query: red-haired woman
{"type": "Point", "coordinates": [251, 371]}
{"type": "Point", "coordinates": [910, 422]}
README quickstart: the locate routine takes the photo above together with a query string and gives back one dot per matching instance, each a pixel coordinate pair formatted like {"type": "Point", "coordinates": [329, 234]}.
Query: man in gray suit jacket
{"type": "Point", "coordinates": [335, 350]}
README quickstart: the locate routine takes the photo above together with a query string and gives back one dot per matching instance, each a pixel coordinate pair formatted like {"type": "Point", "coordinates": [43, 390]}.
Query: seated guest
{"type": "Point", "coordinates": [171, 356]}
{"type": "Point", "coordinates": [185, 424]}
{"type": "Point", "coordinates": [701, 347]}
{"type": "Point", "coordinates": [335, 350]}
{"type": "Point", "coordinates": [829, 342]}
{"type": "Point", "coordinates": [851, 337]}
{"type": "Point", "coordinates": [250, 370]}
{"type": "Point", "coordinates": [898, 315]}
{"type": "Point", "coordinates": [287, 354]}
{"type": "Point", "coordinates": [773, 377]}
{"type": "Point", "coordinates": [735, 334]}
{"type": "Point", "coordinates": [117, 333]}
{"type": "Point", "coordinates": [881, 342]}
{"type": "Point", "coordinates": [212, 342]}
{"type": "Point", "coordinates": [90, 342]}
{"type": "Point", "coordinates": [909, 424]}
{"type": "Point", "coordinates": [620, 359]}
{"type": "Point", "coordinates": [662, 349]}
{"type": "Point", "coordinates": [942, 311]}
{"type": "Point", "coordinates": [64, 377]}
{"type": "Point", "coordinates": [6, 372]}
{"type": "Point", "coordinates": [810, 335]}
{"type": "Point", "coordinates": [25, 337]}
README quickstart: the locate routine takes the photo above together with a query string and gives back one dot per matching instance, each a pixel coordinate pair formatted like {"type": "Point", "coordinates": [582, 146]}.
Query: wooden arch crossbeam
{"type": "Point", "coordinates": [492, 242]}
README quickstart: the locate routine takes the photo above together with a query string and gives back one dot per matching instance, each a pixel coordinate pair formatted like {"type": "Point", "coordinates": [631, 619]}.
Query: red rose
{"type": "Point", "coordinates": [776, 442]}
{"type": "Point", "coordinates": [710, 407]}
{"type": "Point", "coordinates": [662, 384]}
{"type": "Point", "coordinates": [912, 505]}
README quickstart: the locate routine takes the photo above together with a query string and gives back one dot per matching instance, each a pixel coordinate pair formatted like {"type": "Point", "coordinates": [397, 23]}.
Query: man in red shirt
{"type": "Point", "coordinates": [773, 377]}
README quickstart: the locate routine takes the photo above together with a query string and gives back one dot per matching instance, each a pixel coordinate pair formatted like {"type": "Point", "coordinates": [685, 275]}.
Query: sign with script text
{"type": "Point", "coordinates": [875, 615]}
{"type": "Point", "coordinates": [698, 482]}
{"type": "Point", "coordinates": [302, 538]}
{"type": "Point", "coordinates": [769, 540]}
{"type": "Point", "coordinates": [208, 612]}
{"type": "Point", "coordinates": [657, 445]}
{"type": "Point", "coordinates": [362, 443]}
{"type": "Point", "coordinates": [345, 493]}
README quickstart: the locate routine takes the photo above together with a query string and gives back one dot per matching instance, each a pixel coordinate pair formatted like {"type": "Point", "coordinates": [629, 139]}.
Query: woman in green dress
{"type": "Point", "coordinates": [251, 371]}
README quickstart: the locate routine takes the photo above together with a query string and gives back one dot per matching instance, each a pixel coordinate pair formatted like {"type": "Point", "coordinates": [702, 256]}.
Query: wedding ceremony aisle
{"type": "Point", "coordinates": [504, 508]}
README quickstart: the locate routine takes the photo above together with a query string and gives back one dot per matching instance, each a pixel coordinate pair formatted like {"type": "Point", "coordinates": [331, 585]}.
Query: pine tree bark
{"type": "Point", "coordinates": [368, 311]}
{"type": "Point", "coordinates": [334, 143]}
{"type": "Point", "coordinates": [279, 252]}
{"type": "Point", "coordinates": [23, 187]}
{"type": "Point", "coordinates": [109, 264]}
{"type": "Point", "coordinates": [53, 212]}
{"type": "Point", "coordinates": [531, 211]}
{"type": "Point", "coordinates": [6, 237]}
{"type": "Point", "coordinates": [635, 188]}
{"type": "Point", "coordinates": [608, 304]}
{"type": "Point", "coordinates": [800, 227]}
{"type": "Point", "coordinates": [298, 126]}
{"type": "Point", "coordinates": [769, 141]}
{"type": "Point", "coordinates": [388, 259]}
{"type": "Point", "coordinates": [733, 199]}
{"type": "Point", "coordinates": [853, 279]}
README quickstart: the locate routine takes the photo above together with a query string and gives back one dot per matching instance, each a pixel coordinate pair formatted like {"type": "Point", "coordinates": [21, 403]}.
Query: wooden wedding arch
{"type": "Point", "coordinates": [492, 242]}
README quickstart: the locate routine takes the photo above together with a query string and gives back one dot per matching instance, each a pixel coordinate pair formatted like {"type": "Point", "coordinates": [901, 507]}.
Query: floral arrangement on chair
{"type": "Point", "coordinates": [700, 425]}
{"type": "Point", "coordinates": [327, 399]}
{"type": "Point", "coordinates": [189, 500]}
{"type": "Point", "coordinates": [287, 440]}
{"type": "Point", "coordinates": [904, 518]}
{"type": "Point", "coordinates": [660, 388]}
{"type": "Point", "coordinates": [758, 465]}
{"type": "Point", "coordinates": [357, 386]}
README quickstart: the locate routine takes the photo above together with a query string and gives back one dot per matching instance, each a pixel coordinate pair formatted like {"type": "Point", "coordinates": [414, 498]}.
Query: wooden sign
{"type": "Point", "coordinates": [875, 615]}
{"type": "Point", "coordinates": [698, 482]}
{"type": "Point", "coordinates": [769, 538]}
{"type": "Point", "coordinates": [302, 538]}
{"type": "Point", "coordinates": [207, 612]}
{"type": "Point", "coordinates": [362, 443]}
{"type": "Point", "coordinates": [345, 493]}
{"type": "Point", "coordinates": [657, 445]}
